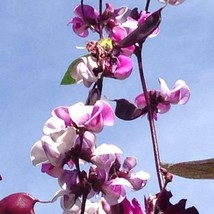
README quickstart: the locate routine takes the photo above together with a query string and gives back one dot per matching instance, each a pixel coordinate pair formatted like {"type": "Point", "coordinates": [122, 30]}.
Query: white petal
{"type": "Point", "coordinates": [107, 149]}
{"type": "Point", "coordinates": [37, 154]}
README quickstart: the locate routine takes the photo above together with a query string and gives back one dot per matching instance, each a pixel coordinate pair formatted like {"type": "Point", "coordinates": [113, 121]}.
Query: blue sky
{"type": "Point", "coordinates": [36, 48]}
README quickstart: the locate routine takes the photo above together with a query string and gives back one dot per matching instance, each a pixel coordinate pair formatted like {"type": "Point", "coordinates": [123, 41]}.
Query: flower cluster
{"type": "Point", "coordinates": [156, 101]}
{"type": "Point", "coordinates": [68, 149]}
{"type": "Point", "coordinates": [106, 58]}
{"type": "Point", "coordinates": [70, 140]}
{"type": "Point", "coordinates": [160, 101]}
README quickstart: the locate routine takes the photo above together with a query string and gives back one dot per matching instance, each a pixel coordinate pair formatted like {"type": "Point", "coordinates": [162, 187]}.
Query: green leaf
{"type": "Point", "coordinates": [199, 169]}
{"type": "Point", "coordinates": [67, 79]}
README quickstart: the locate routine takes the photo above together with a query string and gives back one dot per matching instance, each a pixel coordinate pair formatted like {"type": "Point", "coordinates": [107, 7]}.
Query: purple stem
{"type": "Point", "coordinates": [147, 5]}
{"type": "Point", "coordinates": [138, 50]}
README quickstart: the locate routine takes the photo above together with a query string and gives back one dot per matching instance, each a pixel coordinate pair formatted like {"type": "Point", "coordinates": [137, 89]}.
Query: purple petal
{"type": "Point", "coordinates": [163, 108]}
{"type": "Point", "coordinates": [104, 161]}
{"type": "Point", "coordinates": [62, 113]}
{"type": "Point", "coordinates": [102, 114]}
{"type": "Point", "coordinates": [79, 27]}
{"type": "Point", "coordinates": [140, 101]}
{"type": "Point", "coordinates": [51, 170]}
{"type": "Point", "coordinates": [68, 178]}
{"type": "Point", "coordinates": [107, 113]}
{"type": "Point", "coordinates": [138, 180]}
{"type": "Point", "coordinates": [118, 33]}
{"type": "Point", "coordinates": [124, 67]}
{"type": "Point", "coordinates": [180, 93]}
{"type": "Point", "coordinates": [129, 163]}
{"type": "Point", "coordinates": [89, 12]}
{"type": "Point", "coordinates": [114, 190]}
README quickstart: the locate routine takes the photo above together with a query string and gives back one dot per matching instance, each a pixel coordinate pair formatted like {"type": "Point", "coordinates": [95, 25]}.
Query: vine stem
{"type": "Point", "coordinates": [138, 53]}
{"type": "Point", "coordinates": [147, 5]}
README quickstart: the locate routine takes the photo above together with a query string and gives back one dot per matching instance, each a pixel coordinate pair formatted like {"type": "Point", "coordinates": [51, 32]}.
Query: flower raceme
{"type": "Point", "coordinates": [101, 63]}
{"type": "Point", "coordinates": [106, 58]}
{"type": "Point", "coordinates": [69, 138]}
{"type": "Point", "coordinates": [104, 176]}
{"type": "Point", "coordinates": [88, 18]}
{"type": "Point", "coordinates": [70, 127]}
{"type": "Point", "coordinates": [160, 101]}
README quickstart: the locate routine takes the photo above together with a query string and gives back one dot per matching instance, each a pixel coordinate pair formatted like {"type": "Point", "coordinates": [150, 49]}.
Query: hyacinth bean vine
{"type": "Point", "coordinates": [92, 178]}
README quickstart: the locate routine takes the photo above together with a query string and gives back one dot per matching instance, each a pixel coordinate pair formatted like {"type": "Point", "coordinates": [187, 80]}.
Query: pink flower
{"type": "Point", "coordinates": [85, 20]}
{"type": "Point", "coordinates": [160, 101]}
{"type": "Point", "coordinates": [68, 180]}
{"type": "Point", "coordinates": [104, 156]}
{"type": "Point", "coordinates": [180, 93]}
{"type": "Point", "coordinates": [47, 150]}
{"type": "Point", "coordinates": [93, 118]}
{"type": "Point", "coordinates": [117, 34]}
{"type": "Point", "coordinates": [114, 190]}
{"type": "Point", "coordinates": [59, 121]}
{"type": "Point", "coordinates": [137, 180]}
{"type": "Point", "coordinates": [121, 68]}
{"type": "Point", "coordinates": [115, 17]}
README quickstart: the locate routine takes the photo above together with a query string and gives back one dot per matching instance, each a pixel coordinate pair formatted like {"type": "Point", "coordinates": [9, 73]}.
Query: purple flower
{"type": "Point", "coordinates": [53, 152]}
{"type": "Point", "coordinates": [137, 180]}
{"type": "Point", "coordinates": [115, 17]}
{"type": "Point", "coordinates": [117, 34]}
{"type": "Point", "coordinates": [119, 68]}
{"type": "Point", "coordinates": [114, 190]}
{"type": "Point", "coordinates": [93, 118]}
{"type": "Point", "coordinates": [178, 95]}
{"type": "Point", "coordinates": [104, 156]}
{"type": "Point", "coordinates": [69, 192]}
{"type": "Point", "coordinates": [89, 117]}
{"type": "Point", "coordinates": [85, 20]}
{"type": "Point", "coordinates": [69, 129]}
{"type": "Point", "coordinates": [160, 101]}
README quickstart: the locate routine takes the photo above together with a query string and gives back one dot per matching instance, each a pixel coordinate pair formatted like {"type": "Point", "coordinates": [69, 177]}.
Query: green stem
{"type": "Point", "coordinates": [138, 53]}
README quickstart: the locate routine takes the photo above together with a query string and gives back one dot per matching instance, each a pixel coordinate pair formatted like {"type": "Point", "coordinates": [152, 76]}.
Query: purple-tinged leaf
{"type": "Point", "coordinates": [143, 31]}
{"type": "Point", "coordinates": [179, 208]}
{"type": "Point", "coordinates": [127, 111]}
{"type": "Point", "coordinates": [200, 169]}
